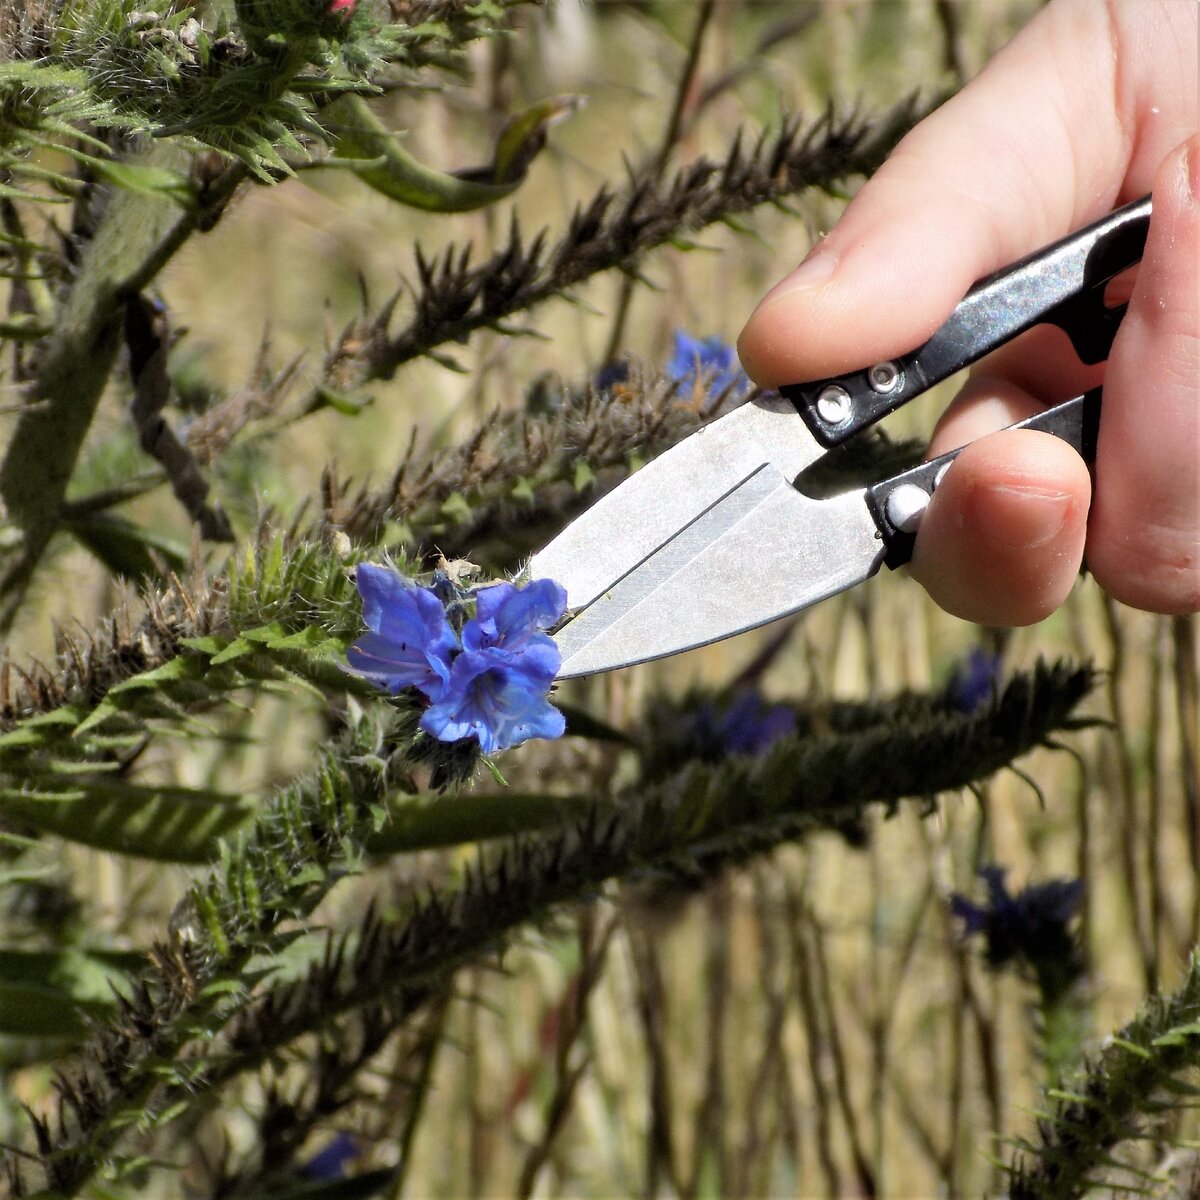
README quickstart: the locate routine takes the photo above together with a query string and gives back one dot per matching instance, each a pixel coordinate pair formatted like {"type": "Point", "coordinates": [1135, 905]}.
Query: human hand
{"type": "Point", "coordinates": [1092, 105]}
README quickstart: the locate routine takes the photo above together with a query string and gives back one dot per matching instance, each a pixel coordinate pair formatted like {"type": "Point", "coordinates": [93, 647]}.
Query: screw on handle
{"type": "Point", "coordinates": [897, 504]}
{"type": "Point", "coordinates": [1061, 285]}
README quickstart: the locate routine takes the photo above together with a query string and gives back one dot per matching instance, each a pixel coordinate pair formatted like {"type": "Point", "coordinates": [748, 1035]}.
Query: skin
{"type": "Point", "coordinates": [1092, 105]}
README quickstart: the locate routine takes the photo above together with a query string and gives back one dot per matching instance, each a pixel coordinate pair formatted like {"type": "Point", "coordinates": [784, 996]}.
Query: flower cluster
{"type": "Point", "coordinates": [1031, 927]}
{"type": "Point", "coordinates": [707, 363]}
{"type": "Point", "coordinates": [708, 729]}
{"type": "Point", "coordinates": [487, 681]}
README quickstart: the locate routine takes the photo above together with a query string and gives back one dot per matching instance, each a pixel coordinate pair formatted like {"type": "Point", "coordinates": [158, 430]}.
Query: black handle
{"type": "Point", "coordinates": [1061, 285]}
{"type": "Point", "coordinates": [897, 504]}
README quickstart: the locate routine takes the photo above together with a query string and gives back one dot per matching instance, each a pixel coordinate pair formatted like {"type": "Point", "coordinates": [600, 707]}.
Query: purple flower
{"type": "Point", "coordinates": [411, 643]}
{"type": "Point", "coordinates": [331, 1162]}
{"type": "Point", "coordinates": [708, 359]}
{"type": "Point", "coordinates": [498, 685]}
{"type": "Point", "coordinates": [750, 726]}
{"type": "Point", "coordinates": [492, 686]}
{"type": "Point", "coordinates": [973, 684]}
{"type": "Point", "coordinates": [1031, 926]}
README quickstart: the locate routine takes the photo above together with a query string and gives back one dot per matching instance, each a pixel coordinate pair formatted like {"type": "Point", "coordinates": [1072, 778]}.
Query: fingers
{"type": "Point", "coordinates": [1144, 540]}
{"type": "Point", "coordinates": [1002, 539]}
{"type": "Point", "coordinates": [1023, 154]}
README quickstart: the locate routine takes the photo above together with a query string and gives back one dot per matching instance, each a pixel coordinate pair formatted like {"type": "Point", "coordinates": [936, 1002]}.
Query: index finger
{"type": "Point", "coordinates": [1043, 141]}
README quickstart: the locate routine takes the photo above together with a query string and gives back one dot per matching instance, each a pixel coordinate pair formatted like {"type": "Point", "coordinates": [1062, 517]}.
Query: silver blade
{"type": "Point", "coordinates": [626, 526]}
{"type": "Point", "coordinates": [762, 552]}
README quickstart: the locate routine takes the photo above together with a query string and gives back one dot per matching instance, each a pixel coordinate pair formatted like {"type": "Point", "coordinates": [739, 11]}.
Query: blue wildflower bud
{"type": "Point", "coordinates": [974, 683]}
{"type": "Point", "coordinates": [331, 1162]}
{"type": "Point", "coordinates": [1030, 927]}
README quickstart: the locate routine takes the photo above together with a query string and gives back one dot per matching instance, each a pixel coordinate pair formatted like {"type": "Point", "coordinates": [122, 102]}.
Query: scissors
{"type": "Point", "coordinates": [713, 538]}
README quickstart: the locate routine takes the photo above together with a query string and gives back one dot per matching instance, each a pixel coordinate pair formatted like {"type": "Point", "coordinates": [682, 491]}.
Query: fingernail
{"type": "Point", "coordinates": [1193, 168]}
{"type": "Point", "coordinates": [815, 270]}
{"type": "Point", "coordinates": [1016, 515]}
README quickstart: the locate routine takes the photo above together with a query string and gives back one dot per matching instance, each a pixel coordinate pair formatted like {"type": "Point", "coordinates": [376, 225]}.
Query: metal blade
{"type": "Point", "coordinates": [762, 552]}
{"type": "Point", "coordinates": [626, 526]}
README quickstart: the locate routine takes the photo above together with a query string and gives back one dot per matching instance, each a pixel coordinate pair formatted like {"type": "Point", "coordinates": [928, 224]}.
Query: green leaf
{"type": "Point", "coordinates": [169, 824]}
{"type": "Point", "coordinates": [456, 508]}
{"type": "Point", "coordinates": [126, 549]}
{"type": "Point", "coordinates": [584, 476]}
{"type": "Point", "coordinates": [432, 821]}
{"type": "Point", "coordinates": [46, 993]}
{"type": "Point", "coordinates": [349, 406]}
{"type": "Point", "coordinates": [361, 144]}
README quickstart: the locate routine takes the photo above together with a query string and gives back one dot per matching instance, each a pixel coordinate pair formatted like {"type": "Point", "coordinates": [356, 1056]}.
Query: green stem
{"type": "Point", "coordinates": [137, 235]}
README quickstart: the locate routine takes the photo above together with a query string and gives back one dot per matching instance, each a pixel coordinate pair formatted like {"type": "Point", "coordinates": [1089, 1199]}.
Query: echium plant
{"type": "Point", "coordinates": [254, 873]}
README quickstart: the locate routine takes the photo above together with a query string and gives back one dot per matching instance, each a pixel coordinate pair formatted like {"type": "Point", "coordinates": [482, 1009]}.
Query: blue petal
{"type": "Point", "coordinates": [399, 610]}
{"type": "Point", "coordinates": [710, 357]}
{"type": "Point", "coordinates": [519, 612]}
{"type": "Point", "coordinates": [388, 663]}
{"type": "Point", "coordinates": [411, 642]}
{"type": "Point", "coordinates": [493, 700]}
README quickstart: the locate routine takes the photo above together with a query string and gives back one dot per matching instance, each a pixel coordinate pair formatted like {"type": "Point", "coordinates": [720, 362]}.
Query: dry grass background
{"type": "Point", "coordinates": [809, 1025]}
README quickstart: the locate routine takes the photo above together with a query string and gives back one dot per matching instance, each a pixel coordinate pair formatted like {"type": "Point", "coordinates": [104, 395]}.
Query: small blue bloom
{"type": "Point", "coordinates": [1031, 925]}
{"type": "Point", "coordinates": [974, 683]}
{"type": "Point", "coordinates": [510, 618]}
{"type": "Point", "coordinates": [611, 375]}
{"type": "Point", "coordinates": [750, 725]}
{"type": "Point", "coordinates": [331, 1162]}
{"type": "Point", "coordinates": [493, 685]}
{"type": "Point", "coordinates": [709, 359]}
{"type": "Point", "coordinates": [498, 685]}
{"type": "Point", "coordinates": [500, 702]}
{"type": "Point", "coordinates": [411, 643]}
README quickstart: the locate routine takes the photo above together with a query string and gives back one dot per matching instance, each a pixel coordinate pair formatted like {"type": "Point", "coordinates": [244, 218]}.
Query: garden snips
{"type": "Point", "coordinates": [713, 538]}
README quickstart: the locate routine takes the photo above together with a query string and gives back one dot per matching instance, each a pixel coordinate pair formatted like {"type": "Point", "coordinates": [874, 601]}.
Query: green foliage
{"type": "Point", "coordinates": [1146, 1070]}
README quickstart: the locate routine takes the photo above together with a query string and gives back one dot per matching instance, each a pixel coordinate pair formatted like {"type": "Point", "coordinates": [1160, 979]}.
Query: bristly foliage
{"type": "Point", "coordinates": [1144, 1071]}
{"type": "Point", "coordinates": [197, 998]}
{"type": "Point", "coordinates": [614, 230]}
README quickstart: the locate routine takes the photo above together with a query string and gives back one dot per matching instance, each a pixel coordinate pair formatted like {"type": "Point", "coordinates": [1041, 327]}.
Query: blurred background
{"type": "Point", "coordinates": [813, 1023]}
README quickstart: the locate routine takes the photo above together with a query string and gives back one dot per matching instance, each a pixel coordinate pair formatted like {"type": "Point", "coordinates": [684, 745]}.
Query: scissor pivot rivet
{"type": "Point", "coordinates": [834, 405]}
{"type": "Point", "coordinates": [906, 506]}
{"type": "Point", "coordinates": [883, 377]}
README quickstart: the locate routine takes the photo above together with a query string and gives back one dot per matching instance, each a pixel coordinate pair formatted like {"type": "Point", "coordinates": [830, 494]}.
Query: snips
{"type": "Point", "coordinates": [713, 538]}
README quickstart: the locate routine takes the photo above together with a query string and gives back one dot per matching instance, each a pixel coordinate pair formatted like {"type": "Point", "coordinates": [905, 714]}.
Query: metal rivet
{"type": "Point", "coordinates": [834, 405]}
{"type": "Point", "coordinates": [884, 377]}
{"type": "Point", "coordinates": [906, 506]}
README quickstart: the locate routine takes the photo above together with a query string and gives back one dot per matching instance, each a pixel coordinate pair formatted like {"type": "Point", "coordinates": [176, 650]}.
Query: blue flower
{"type": "Point", "coordinates": [974, 683]}
{"type": "Point", "coordinates": [750, 725]}
{"type": "Point", "coordinates": [492, 685]}
{"type": "Point", "coordinates": [1031, 926]}
{"type": "Point", "coordinates": [498, 685]}
{"type": "Point", "coordinates": [410, 643]}
{"type": "Point", "coordinates": [331, 1162]}
{"type": "Point", "coordinates": [705, 359]}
